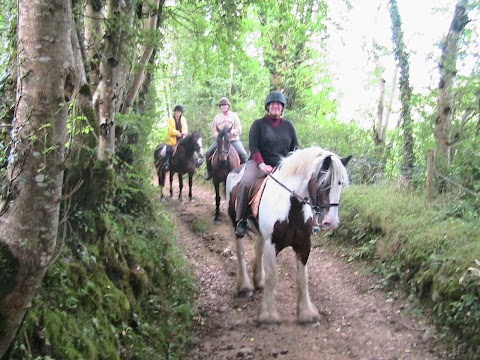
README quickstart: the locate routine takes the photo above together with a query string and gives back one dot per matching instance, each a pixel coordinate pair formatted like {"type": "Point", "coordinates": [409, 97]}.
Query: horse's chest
{"type": "Point", "coordinates": [294, 231]}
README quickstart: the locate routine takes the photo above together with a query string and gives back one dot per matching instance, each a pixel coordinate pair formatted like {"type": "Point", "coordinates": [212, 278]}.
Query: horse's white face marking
{"type": "Point", "coordinates": [200, 152]}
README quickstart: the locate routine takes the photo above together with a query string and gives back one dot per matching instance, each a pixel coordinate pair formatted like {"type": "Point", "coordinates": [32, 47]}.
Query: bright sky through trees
{"type": "Point", "coordinates": [424, 24]}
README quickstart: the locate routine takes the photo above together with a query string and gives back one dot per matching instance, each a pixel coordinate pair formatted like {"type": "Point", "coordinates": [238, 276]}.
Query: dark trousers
{"type": "Point", "coordinates": [168, 154]}
{"type": "Point", "coordinates": [250, 175]}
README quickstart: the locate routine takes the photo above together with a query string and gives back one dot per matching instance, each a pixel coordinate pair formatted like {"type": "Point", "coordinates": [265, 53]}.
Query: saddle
{"type": "Point", "coordinates": [255, 195]}
{"type": "Point", "coordinates": [162, 151]}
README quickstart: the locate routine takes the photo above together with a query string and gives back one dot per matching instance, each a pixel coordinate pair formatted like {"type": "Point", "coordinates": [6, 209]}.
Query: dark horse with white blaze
{"type": "Point", "coordinates": [184, 161]}
{"type": "Point", "coordinates": [300, 196]}
{"type": "Point", "coordinates": [224, 160]}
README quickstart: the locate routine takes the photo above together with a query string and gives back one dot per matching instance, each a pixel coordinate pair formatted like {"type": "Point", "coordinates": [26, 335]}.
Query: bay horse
{"type": "Point", "coordinates": [185, 160]}
{"type": "Point", "coordinates": [301, 196]}
{"type": "Point", "coordinates": [224, 160]}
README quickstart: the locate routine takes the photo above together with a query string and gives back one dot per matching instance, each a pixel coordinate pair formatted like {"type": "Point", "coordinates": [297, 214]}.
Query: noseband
{"type": "Point", "coordinates": [317, 209]}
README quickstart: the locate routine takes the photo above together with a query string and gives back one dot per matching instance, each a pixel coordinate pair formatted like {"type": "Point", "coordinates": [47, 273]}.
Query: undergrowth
{"type": "Point", "coordinates": [127, 295]}
{"type": "Point", "coordinates": [418, 247]}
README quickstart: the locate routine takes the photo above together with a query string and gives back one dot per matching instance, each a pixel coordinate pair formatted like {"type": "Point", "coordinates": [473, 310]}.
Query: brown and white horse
{"type": "Point", "coordinates": [302, 194]}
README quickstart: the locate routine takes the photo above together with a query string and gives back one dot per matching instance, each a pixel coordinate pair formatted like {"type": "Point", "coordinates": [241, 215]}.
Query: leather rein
{"type": "Point", "coordinates": [316, 208]}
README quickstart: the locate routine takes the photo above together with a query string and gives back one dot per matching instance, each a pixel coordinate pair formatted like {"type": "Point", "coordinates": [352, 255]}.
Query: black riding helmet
{"type": "Point", "coordinates": [178, 108]}
{"type": "Point", "coordinates": [275, 96]}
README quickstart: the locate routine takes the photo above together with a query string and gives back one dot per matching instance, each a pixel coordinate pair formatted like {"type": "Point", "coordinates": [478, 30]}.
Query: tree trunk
{"type": "Point", "coordinates": [108, 89]}
{"type": "Point", "coordinates": [151, 24]}
{"type": "Point", "coordinates": [93, 35]}
{"type": "Point", "coordinates": [401, 57]}
{"type": "Point", "coordinates": [29, 218]}
{"type": "Point", "coordinates": [378, 127]}
{"type": "Point", "coordinates": [443, 123]}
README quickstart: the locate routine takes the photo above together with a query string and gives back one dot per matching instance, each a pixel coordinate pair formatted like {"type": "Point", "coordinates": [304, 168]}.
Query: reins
{"type": "Point", "coordinates": [316, 208]}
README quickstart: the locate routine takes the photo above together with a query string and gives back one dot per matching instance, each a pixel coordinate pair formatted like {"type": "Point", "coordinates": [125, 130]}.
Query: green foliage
{"type": "Point", "coordinates": [231, 56]}
{"type": "Point", "coordinates": [419, 247]}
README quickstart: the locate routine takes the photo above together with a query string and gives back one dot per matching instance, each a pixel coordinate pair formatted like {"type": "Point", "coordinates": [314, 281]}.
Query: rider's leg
{"type": "Point", "coordinates": [168, 156]}
{"type": "Point", "coordinates": [251, 174]}
{"type": "Point", "coordinates": [242, 153]}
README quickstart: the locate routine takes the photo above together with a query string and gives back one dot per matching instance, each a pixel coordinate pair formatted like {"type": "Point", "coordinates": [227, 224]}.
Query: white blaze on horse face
{"type": "Point", "coordinates": [330, 220]}
{"type": "Point", "coordinates": [200, 152]}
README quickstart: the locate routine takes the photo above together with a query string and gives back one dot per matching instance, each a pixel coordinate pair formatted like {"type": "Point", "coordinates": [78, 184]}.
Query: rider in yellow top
{"type": "Point", "coordinates": [177, 129]}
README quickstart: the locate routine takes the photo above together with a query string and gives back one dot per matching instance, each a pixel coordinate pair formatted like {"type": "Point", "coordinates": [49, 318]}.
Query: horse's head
{"type": "Point", "coordinates": [198, 146]}
{"type": "Point", "coordinates": [324, 174]}
{"type": "Point", "coordinates": [325, 188]}
{"type": "Point", "coordinates": [192, 145]}
{"type": "Point", "coordinates": [223, 145]}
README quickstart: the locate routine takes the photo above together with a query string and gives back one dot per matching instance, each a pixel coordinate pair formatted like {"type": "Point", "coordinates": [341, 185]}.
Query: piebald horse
{"type": "Point", "coordinates": [301, 196]}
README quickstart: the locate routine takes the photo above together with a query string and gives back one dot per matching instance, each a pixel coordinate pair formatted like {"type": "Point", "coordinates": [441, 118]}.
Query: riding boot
{"type": "Point", "coordinates": [209, 170]}
{"type": "Point", "coordinates": [242, 205]}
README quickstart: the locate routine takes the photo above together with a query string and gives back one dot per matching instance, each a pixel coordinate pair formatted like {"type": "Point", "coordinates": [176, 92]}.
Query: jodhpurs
{"type": "Point", "coordinates": [250, 175]}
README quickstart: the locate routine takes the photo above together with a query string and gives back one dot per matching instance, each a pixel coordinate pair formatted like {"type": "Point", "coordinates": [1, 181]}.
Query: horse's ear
{"type": "Point", "coordinates": [345, 160]}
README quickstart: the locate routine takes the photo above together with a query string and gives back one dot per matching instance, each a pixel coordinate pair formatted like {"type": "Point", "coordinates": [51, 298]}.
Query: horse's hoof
{"type": "Point", "coordinates": [310, 317]}
{"type": "Point", "coordinates": [270, 319]}
{"type": "Point", "coordinates": [245, 293]}
{"type": "Point", "coordinates": [309, 324]}
{"type": "Point", "coordinates": [217, 221]}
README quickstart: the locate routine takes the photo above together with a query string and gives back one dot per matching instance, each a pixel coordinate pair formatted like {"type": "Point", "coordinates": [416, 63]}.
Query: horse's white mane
{"type": "Point", "coordinates": [308, 163]}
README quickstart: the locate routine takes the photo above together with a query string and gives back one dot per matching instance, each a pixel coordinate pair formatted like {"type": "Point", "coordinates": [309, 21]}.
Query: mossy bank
{"type": "Point", "coordinates": [125, 295]}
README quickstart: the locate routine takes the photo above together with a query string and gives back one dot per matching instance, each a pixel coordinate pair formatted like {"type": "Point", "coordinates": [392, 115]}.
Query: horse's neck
{"type": "Point", "coordinates": [188, 151]}
{"type": "Point", "coordinates": [296, 183]}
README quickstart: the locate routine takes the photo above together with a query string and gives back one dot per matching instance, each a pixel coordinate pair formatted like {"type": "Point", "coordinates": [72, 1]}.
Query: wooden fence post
{"type": "Point", "coordinates": [430, 173]}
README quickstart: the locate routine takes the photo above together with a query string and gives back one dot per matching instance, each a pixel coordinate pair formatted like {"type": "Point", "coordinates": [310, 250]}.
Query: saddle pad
{"type": "Point", "coordinates": [256, 194]}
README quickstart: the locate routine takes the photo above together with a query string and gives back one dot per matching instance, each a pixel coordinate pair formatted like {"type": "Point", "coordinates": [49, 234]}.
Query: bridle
{"type": "Point", "coordinates": [225, 148]}
{"type": "Point", "coordinates": [316, 208]}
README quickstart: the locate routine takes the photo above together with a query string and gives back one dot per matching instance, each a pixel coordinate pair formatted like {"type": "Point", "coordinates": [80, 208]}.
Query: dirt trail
{"type": "Point", "coordinates": [358, 320]}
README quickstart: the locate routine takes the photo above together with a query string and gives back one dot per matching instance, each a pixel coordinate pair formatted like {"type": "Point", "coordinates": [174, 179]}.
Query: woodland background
{"type": "Point", "coordinates": [85, 248]}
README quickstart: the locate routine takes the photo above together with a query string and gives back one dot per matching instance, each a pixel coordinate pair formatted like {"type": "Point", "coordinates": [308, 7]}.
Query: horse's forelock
{"type": "Point", "coordinates": [335, 174]}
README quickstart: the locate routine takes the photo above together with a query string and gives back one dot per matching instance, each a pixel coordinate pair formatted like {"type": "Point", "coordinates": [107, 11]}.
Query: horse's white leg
{"type": "Point", "coordinates": [306, 311]}
{"type": "Point", "coordinates": [244, 283]}
{"type": "Point", "coordinates": [258, 268]}
{"type": "Point", "coordinates": [268, 309]}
